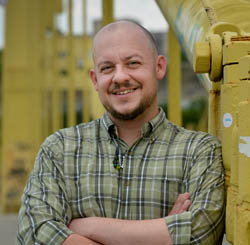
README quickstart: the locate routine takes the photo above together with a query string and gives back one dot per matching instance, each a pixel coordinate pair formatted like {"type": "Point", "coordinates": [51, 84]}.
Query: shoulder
{"type": "Point", "coordinates": [79, 131]}
{"type": "Point", "coordinates": [195, 140]}
{"type": "Point", "coordinates": [70, 136]}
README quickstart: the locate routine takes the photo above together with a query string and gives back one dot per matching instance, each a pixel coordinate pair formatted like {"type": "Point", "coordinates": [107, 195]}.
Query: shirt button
{"type": "Point", "coordinates": [152, 140]}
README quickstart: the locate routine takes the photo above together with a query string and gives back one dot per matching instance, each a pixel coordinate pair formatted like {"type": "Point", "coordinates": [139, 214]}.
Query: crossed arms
{"type": "Point", "coordinates": [96, 230]}
{"type": "Point", "coordinates": [47, 215]}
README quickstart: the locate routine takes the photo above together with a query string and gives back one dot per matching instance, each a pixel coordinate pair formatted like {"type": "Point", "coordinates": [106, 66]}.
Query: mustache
{"type": "Point", "coordinates": [125, 85]}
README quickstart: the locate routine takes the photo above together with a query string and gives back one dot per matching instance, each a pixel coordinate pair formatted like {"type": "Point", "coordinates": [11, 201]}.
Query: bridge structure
{"type": "Point", "coordinates": [45, 72]}
{"type": "Point", "coordinates": [215, 36]}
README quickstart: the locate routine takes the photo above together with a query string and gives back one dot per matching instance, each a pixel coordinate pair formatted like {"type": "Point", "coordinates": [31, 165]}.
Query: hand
{"type": "Point", "coordinates": [181, 205]}
{"type": "Point", "coordinates": [78, 225]}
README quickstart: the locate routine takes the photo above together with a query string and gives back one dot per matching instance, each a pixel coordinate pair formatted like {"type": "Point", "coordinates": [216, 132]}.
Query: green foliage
{"type": "Point", "coordinates": [193, 113]}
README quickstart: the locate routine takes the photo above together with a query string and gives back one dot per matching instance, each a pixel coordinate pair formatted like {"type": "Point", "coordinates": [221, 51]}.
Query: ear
{"type": "Point", "coordinates": [93, 78]}
{"type": "Point", "coordinates": [161, 67]}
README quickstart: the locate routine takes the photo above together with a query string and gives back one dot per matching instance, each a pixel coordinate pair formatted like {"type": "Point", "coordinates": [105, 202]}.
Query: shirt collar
{"type": "Point", "coordinates": [148, 129]}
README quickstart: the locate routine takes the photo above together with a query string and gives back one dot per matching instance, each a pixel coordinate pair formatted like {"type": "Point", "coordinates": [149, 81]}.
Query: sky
{"type": "Point", "coordinates": [146, 12]}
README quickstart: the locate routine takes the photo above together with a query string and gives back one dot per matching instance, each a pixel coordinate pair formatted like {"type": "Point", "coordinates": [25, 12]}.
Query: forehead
{"type": "Point", "coordinates": [127, 38]}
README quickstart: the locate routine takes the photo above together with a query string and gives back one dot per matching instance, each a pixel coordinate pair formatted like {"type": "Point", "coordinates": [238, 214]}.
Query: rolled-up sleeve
{"type": "Point", "coordinates": [179, 227]}
{"type": "Point", "coordinates": [45, 213]}
{"type": "Point", "coordinates": [204, 221]}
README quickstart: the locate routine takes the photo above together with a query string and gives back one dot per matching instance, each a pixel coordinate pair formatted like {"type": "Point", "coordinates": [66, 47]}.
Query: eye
{"type": "Point", "coordinates": [106, 68]}
{"type": "Point", "coordinates": [133, 63]}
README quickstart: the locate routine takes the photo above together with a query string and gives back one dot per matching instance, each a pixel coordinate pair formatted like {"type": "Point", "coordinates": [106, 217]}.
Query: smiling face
{"type": "Point", "coordinates": [126, 71]}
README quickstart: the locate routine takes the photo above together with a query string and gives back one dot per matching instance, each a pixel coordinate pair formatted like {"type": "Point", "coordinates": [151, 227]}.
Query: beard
{"type": "Point", "coordinates": [145, 104]}
{"type": "Point", "coordinates": [126, 116]}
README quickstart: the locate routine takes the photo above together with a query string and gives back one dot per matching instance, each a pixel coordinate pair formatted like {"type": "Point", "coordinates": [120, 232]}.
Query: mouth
{"type": "Point", "coordinates": [124, 92]}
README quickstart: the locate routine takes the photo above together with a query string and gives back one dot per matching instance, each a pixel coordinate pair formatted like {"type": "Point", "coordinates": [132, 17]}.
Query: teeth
{"type": "Point", "coordinates": [125, 92]}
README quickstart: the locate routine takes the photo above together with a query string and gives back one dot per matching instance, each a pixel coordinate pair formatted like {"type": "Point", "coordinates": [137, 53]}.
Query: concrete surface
{"type": "Point", "coordinates": [8, 226]}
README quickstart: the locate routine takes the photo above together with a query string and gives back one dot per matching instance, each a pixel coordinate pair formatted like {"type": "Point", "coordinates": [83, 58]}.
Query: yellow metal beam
{"type": "Point", "coordinates": [226, 30]}
{"type": "Point", "coordinates": [21, 121]}
{"type": "Point", "coordinates": [174, 79]}
{"type": "Point", "coordinates": [107, 17]}
{"type": "Point", "coordinates": [191, 23]}
{"type": "Point", "coordinates": [71, 110]}
{"type": "Point", "coordinates": [58, 6]}
{"type": "Point", "coordinates": [107, 12]}
{"type": "Point", "coordinates": [86, 83]}
{"type": "Point", "coordinates": [229, 108]}
{"type": "Point", "coordinates": [86, 62]}
{"type": "Point", "coordinates": [235, 135]}
{"type": "Point", "coordinates": [44, 95]}
{"type": "Point", "coordinates": [214, 119]}
{"type": "Point", "coordinates": [244, 128]}
{"type": "Point", "coordinates": [54, 88]}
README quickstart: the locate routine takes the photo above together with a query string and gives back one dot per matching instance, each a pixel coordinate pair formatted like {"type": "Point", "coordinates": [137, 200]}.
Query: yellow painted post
{"type": "Point", "coordinates": [235, 126]}
{"type": "Point", "coordinates": [54, 89]}
{"type": "Point", "coordinates": [86, 82]}
{"type": "Point", "coordinates": [242, 220]}
{"type": "Point", "coordinates": [55, 94]}
{"type": "Point", "coordinates": [174, 79]}
{"type": "Point", "coordinates": [86, 57]}
{"type": "Point", "coordinates": [229, 107]}
{"type": "Point", "coordinates": [229, 113]}
{"type": "Point", "coordinates": [58, 6]}
{"type": "Point", "coordinates": [21, 127]}
{"type": "Point", "coordinates": [97, 109]}
{"type": "Point", "coordinates": [107, 12]}
{"type": "Point", "coordinates": [214, 111]}
{"type": "Point", "coordinates": [242, 227]}
{"type": "Point", "coordinates": [86, 105]}
{"type": "Point", "coordinates": [232, 190]}
{"type": "Point", "coordinates": [91, 100]}
{"type": "Point", "coordinates": [228, 120]}
{"type": "Point", "coordinates": [71, 110]}
{"type": "Point", "coordinates": [82, 53]}
{"type": "Point", "coordinates": [209, 59]}
{"type": "Point", "coordinates": [48, 75]}
{"type": "Point", "coordinates": [46, 78]}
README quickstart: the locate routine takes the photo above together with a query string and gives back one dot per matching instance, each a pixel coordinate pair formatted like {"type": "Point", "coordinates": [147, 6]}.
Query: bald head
{"type": "Point", "coordinates": [128, 27]}
{"type": "Point", "coordinates": [126, 70]}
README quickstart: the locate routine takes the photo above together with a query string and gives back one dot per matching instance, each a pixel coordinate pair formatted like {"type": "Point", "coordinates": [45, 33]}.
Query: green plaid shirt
{"type": "Point", "coordinates": [74, 176]}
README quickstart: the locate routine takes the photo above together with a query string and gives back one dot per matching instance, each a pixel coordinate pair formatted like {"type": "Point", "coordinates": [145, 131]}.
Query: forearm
{"type": "Point", "coordinates": [78, 239]}
{"type": "Point", "coordinates": [115, 231]}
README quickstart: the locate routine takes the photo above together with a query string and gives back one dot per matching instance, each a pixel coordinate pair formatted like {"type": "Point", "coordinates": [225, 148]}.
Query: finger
{"type": "Point", "coordinates": [182, 204]}
{"type": "Point", "coordinates": [186, 205]}
{"type": "Point", "coordinates": [185, 202]}
{"type": "Point", "coordinates": [183, 197]}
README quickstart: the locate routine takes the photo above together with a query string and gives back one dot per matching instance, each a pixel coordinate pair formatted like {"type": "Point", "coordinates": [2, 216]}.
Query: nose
{"type": "Point", "coordinates": [121, 75]}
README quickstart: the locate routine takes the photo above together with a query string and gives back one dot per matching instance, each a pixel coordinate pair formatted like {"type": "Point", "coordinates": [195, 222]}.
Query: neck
{"type": "Point", "coordinates": [130, 130]}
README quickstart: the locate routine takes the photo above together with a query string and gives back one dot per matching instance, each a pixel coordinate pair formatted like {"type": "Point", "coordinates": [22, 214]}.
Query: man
{"type": "Point", "coordinates": [131, 177]}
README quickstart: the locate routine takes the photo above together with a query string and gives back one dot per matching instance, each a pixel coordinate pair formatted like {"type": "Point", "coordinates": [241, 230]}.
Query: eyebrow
{"type": "Point", "coordinates": [106, 62]}
{"type": "Point", "coordinates": [133, 56]}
